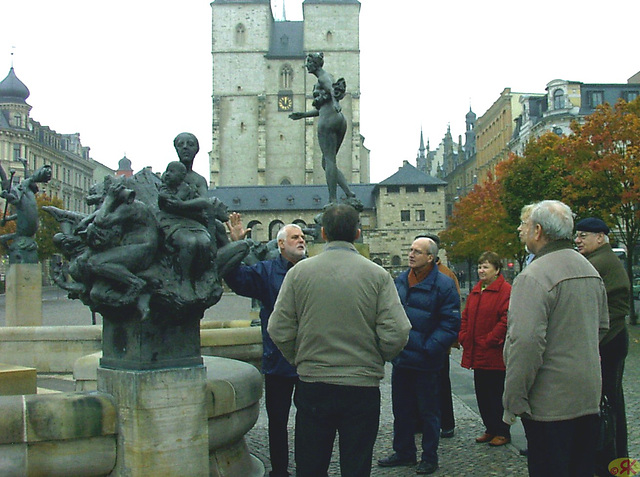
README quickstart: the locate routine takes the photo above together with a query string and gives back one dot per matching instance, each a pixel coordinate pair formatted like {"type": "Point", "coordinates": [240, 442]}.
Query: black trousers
{"type": "Point", "coordinates": [324, 409]}
{"type": "Point", "coordinates": [447, 420]}
{"type": "Point", "coordinates": [612, 356]}
{"type": "Point", "coordinates": [562, 448]}
{"type": "Point", "coordinates": [489, 385]}
{"type": "Point", "coordinates": [278, 392]}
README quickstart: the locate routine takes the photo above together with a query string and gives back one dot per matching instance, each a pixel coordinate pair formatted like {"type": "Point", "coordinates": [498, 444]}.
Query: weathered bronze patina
{"type": "Point", "coordinates": [149, 260]}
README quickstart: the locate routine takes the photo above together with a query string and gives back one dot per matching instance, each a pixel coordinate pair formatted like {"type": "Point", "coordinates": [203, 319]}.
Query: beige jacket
{"type": "Point", "coordinates": [558, 306]}
{"type": "Point", "coordinates": [338, 318]}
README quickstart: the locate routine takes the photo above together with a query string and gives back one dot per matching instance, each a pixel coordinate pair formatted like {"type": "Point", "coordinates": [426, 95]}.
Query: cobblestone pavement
{"type": "Point", "coordinates": [459, 456]}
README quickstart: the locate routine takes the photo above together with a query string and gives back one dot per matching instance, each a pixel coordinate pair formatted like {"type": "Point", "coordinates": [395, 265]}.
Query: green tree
{"type": "Point", "coordinates": [604, 160]}
{"type": "Point", "coordinates": [47, 227]}
{"type": "Point", "coordinates": [539, 174]}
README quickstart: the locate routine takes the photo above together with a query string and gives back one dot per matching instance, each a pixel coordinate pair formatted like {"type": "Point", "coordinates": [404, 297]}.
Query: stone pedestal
{"type": "Point", "coordinates": [162, 420]}
{"type": "Point", "coordinates": [23, 302]}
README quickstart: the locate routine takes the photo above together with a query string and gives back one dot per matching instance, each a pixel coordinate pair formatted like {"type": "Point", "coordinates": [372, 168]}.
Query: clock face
{"type": "Point", "coordinates": [285, 103]}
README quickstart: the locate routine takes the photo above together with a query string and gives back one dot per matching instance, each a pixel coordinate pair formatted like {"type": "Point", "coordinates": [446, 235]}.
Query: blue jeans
{"type": "Point", "coordinates": [324, 409]}
{"type": "Point", "coordinates": [415, 392]}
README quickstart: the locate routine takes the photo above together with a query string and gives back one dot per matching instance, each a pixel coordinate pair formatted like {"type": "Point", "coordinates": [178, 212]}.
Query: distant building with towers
{"type": "Point", "coordinates": [73, 170]}
{"type": "Point", "coordinates": [259, 78]}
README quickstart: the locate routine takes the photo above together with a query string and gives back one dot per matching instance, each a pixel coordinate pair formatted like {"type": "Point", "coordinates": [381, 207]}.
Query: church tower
{"type": "Point", "coordinates": [259, 78]}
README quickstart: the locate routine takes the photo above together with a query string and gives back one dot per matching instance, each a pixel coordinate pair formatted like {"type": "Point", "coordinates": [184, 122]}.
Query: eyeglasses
{"type": "Point", "coordinates": [582, 235]}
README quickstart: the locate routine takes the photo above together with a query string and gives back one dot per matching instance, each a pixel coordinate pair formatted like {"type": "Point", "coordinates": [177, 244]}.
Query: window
{"type": "Point", "coordinates": [274, 228]}
{"type": "Point", "coordinates": [286, 77]}
{"type": "Point", "coordinates": [241, 34]}
{"type": "Point", "coordinates": [413, 188]}
{"type": "Point", "coordinates": [16, 151]}
{"type": "Point", "coordinates": [405, 215]}
{"type": "Point", "coordinates": [17, 121]}
{"type": "Point", "coordinates": [558, 99]}
{"type": "Point", "coordinates": [396, 261]}
{"type": "Point", "coordinates": [596, 98]}
{"type": "Point", "coordinates": [393, 189]}
{"type": "Point", "coordinates": [420, 215]}
{"type": "Point", "coordinates": [630, 96]}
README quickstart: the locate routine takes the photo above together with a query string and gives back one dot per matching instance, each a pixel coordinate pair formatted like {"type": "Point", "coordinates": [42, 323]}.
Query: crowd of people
{"type": "Point", "coordinates": [548, 349]}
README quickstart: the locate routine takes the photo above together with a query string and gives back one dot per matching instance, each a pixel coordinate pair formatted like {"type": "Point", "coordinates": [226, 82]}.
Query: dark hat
{"type": "Point", "coordinates": [591, 224]}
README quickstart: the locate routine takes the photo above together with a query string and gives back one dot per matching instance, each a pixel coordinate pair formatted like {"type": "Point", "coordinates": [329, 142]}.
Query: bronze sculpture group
{"type": "Point", "coordinates": [21, 244]}
{"type": "Point", "coordinates": [151, 256]}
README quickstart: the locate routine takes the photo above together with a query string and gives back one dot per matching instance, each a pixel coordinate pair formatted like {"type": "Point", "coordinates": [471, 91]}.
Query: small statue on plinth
{"type": "Point", "coordinates": [332, 125]}
{"type": "Point", "coordinates": [150, 267]}
{"type": "Point", "coordinates": [21, 244]}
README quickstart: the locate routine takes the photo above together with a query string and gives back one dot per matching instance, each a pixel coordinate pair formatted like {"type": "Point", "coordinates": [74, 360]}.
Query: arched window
{"type": "Point", "coordinates": [396, 261]}
{"type": "Point", "coordinates": [253, 225]}
{"type": "Point", "coordinates": [558, 99]}
{"type": "Point", "coordinates": [274, 228]}
{"type": "Point", "coordinates": [300, 223]}
{"type": "Point", "coordinates": [241, 34]}
{"type": "Point", "coordinates": [286, 77]}
{"type": "Point", "coordinates": [329, 36]}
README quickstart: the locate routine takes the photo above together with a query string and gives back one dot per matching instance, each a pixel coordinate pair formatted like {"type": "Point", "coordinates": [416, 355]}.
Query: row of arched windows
{"type": "Point", "coordinates": [274, 228]}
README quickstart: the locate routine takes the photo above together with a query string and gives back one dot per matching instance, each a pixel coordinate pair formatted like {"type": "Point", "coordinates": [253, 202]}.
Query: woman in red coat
{"type": "Point", "coordinates": [482, 333]}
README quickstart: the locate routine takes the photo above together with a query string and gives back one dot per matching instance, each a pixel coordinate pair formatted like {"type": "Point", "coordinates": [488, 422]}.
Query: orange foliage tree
{"type": "Point", "coordinates": [604, 160]}
{"type": "Point", "coordinates": [479, 222]}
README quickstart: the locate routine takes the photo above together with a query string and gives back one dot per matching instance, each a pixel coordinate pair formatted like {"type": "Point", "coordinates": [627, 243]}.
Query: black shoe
{"type": "Point", "coordinates": [395, 461]}
{"type": "Point", "coordinates": [425, 467]}
{"type": "Point", "coordinates": [524, 452]}
{"type": "Point", "coordinates": [445, 434]}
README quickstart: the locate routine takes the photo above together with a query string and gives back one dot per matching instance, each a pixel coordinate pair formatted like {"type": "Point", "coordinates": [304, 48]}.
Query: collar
{"type": "Point", "coordinates": [554, 246]}
{"type": "Point", "coordinates": [340, 245]}
{"type": "Point", "coordinates": [601, 249]}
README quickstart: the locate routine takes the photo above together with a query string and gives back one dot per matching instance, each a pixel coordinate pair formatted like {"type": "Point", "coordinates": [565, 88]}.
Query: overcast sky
{"type": "Point", "coordinates": [130, 75]}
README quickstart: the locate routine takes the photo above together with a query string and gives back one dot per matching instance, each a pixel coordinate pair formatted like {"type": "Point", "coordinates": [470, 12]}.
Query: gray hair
{"type": "Point", "coordinates": [555, 218]}
{"type": "Point", "coordinates": [282, 233]}
{"type": "Point", "coordinates": [525, 212]}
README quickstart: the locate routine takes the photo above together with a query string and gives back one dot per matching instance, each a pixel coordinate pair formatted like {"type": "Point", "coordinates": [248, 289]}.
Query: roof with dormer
{"type": "Point", "coordinates": [283, 197]}
{"type": "Point", "coordinates": [12, 90]}
{"type": "Point", "coordinates": [409, 175]}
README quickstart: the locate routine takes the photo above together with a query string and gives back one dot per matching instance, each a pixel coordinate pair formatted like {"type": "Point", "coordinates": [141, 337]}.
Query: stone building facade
{"type": "Point", "coordinates": [406, 204]}
{"type": "Point", "coordinates": [23, 137]}
{"type": "Point", "coordinates": [563, 103]}
{"type": "Point", "coordinates": [259, 78]}
{"type": "Point", "coordinates": [493, 133]}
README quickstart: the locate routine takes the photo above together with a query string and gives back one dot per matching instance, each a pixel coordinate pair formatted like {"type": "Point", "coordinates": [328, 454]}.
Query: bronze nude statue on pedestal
{"type": "Point", "coordinates": [332, 124]}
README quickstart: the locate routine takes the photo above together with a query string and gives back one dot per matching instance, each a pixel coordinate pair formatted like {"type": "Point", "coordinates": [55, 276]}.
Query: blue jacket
{"type": "Point", "coordinates": [433, 308]}
{"type": "Point", "coordinates": [262, 281]}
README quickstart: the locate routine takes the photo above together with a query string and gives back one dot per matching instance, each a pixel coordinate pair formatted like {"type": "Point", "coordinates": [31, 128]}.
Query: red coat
{"type": "Point", "coordinates": [484, 325]}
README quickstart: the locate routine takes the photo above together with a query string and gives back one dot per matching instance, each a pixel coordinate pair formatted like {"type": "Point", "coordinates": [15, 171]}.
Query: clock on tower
{"type": "Point", "coordinates": [285, 102]}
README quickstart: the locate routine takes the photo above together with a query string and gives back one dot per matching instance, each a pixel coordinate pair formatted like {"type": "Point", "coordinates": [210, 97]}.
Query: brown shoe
{"type": "Point", "coordinates": [499, 441]}
{"type": "Point", "coordinates": [484, 438]}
